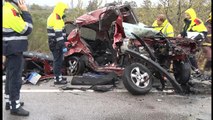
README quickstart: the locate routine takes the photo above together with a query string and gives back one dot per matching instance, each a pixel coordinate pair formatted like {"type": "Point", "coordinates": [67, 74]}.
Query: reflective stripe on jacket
{"type": "Point", "coordinates": [16, 26]}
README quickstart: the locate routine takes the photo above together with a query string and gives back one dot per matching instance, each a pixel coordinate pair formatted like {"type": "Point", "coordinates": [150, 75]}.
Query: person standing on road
{"type": "Point", "coordinates": [161, 24]}
{"type": "Point", "coordinates": [56, 39]}
{"type": "Point", "coordinates": [17, 24]}
{"type": "Point", "coordinates": [193, 24]}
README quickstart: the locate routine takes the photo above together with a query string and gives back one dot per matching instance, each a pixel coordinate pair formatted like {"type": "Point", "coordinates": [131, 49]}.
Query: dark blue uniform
{"type": "Point", "coordinates": [16, 27]}
{"type": "Point", "coordinates": [56, 39]}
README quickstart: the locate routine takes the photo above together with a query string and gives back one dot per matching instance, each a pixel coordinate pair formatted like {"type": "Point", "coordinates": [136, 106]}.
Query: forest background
{"type": "Point", "coordinates": [146, 13]}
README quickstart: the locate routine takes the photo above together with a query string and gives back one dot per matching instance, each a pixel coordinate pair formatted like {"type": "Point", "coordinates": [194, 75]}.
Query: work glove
{"type": "Point", "coordinates": [64, 50]}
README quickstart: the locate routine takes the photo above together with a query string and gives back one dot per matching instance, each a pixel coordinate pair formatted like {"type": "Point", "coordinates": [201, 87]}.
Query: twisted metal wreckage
{"type": "Point", "coordinates": [111, 40]}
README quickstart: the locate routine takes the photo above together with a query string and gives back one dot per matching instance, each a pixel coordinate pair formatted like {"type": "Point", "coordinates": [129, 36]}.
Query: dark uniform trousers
{"type": "Point", "coordinates": [14, 63]}
{"type": "Point", "coordinates": [58, 60]}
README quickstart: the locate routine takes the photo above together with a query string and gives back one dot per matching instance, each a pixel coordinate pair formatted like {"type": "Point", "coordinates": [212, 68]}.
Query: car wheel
{"type": "Point", "coordinates": [137, 79]}
{"type": "Point", "coordinates": [76, 66]}
{"type": "Point", "coordinates": [182, 71]}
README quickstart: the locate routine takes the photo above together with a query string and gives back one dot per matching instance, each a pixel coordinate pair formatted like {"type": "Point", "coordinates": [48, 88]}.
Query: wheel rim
{"type": "Point", "coordinates": [140, 78]}
{"type": "Point", "coordinates": [73, 66]}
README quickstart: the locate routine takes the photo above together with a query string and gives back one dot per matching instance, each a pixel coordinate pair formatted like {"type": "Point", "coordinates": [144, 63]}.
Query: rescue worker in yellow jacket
{"type": "Point", "coordinates": [163, 25]}
{"type": "Point", "coordinates": [56, 39]}
{"type": "Point", "coordinates": [193, 24]}
{"type": "Point", "coordinates": [17, 24]}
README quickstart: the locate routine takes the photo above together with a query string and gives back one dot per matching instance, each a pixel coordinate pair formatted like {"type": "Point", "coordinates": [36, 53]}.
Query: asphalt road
{"type": "Point", "coordinates": [48, 102]}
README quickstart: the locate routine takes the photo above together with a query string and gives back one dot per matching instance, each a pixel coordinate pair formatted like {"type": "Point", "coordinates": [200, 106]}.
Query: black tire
{"type": "Point", "coordinates": [78, 66]}
{"type": "Point", "coordinates": [182, 71]}
{"type": "Point", "coordinates": [129, 80]}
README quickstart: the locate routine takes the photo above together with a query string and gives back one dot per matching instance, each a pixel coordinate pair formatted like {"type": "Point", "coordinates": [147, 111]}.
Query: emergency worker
{"type": "Point", "coordinates": [193, 24]}
{"type": "Point", "coordinates": [56, 39]}
{"type": "Point", "coordinates": [17, 24]}
{"type": "Point", "coordinates": [163, 25]}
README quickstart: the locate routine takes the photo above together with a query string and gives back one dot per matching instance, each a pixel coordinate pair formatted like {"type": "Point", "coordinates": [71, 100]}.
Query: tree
{"type": "Point", "coordinates": [146, 13]}
{"type": "Point", "coordinates": [132, 3]}
{"type": "Point", "coordinates": [75, 11]}
{"type": "Point", "coordinates": [35, 7]}
{"type": "Point", "coordinates": [93, 5]}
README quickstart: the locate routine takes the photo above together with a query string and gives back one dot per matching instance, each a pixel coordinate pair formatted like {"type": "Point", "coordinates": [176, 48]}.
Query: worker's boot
{"type": "Point", "coordinates": [17, 109]}
{"type": "Point", "coordinates": [60, 81]}
{"type": "Point", "coordinates": [7, 105]}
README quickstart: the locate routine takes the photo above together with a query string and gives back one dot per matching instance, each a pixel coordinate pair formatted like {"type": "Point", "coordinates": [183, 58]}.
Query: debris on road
{"type": "Point", "coordinates": [94, 79]}
{"type": "Point", "coordinates": [33, 77]}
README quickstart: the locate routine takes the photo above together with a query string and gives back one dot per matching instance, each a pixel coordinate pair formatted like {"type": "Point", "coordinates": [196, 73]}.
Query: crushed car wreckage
{"type": "Point", "coordinates": [105, 47]}
{"type": "Point", "coordinates": [98, 42]}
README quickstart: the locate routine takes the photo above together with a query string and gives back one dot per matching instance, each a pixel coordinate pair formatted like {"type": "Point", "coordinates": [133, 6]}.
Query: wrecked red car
{"type": "Point", "coordinates": [97, 42]}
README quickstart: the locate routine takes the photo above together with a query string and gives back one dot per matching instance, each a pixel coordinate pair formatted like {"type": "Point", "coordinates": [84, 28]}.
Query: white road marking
{"type": "Point", "coordinates": [76, 91]}
{"type": "Point", "coordinates": [56, 91]}
{"type": "Point", "coordinates": [48, 91]}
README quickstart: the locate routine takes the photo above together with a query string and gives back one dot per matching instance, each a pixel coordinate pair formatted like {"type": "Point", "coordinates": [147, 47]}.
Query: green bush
{"type": "Point", "coordinates": [38, 40]}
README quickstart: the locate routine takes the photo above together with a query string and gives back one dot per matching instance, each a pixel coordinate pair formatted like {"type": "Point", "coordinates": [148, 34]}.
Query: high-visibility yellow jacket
{"type": "Point", "coordinates": [55, 24]}
{"type": "Point", "coordinates": [16, 26]}
{"type": "Point", "coordinates": [194, 24]}
{"type": "Point", "coordinates": [166, 28]}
